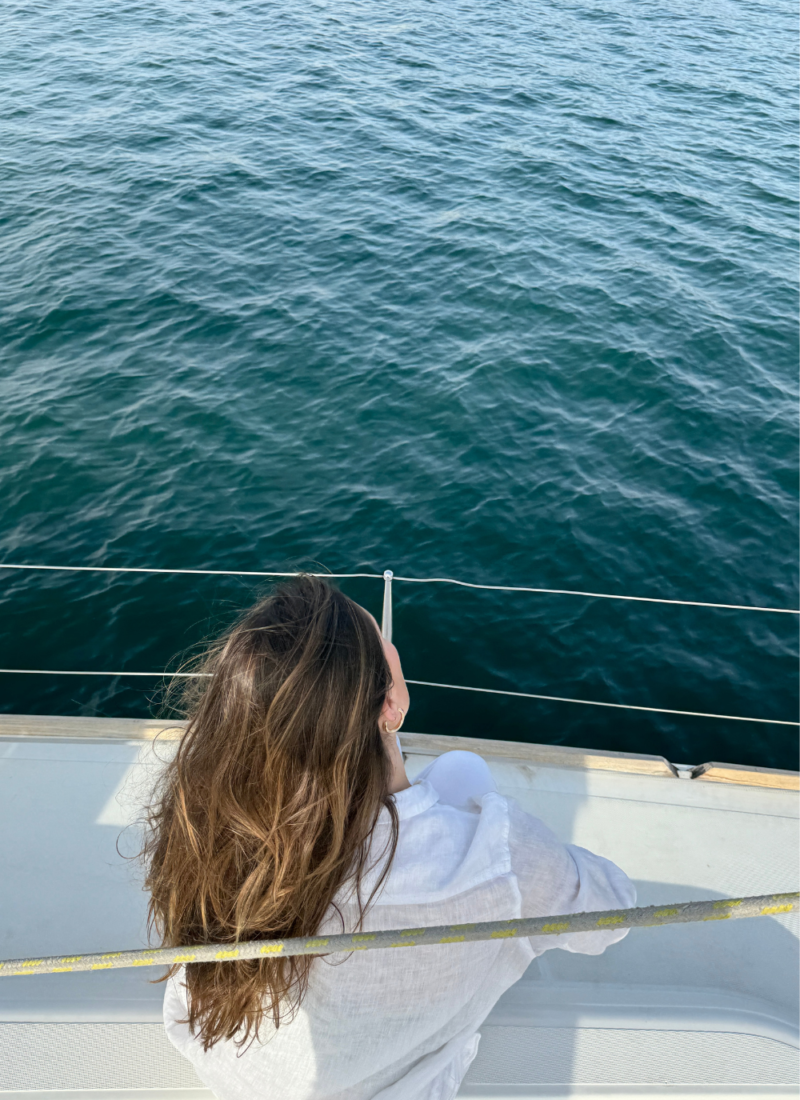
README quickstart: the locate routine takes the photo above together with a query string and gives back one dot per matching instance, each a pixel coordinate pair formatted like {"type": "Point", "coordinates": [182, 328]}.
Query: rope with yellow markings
{"type": "Point", "coordinates": [649, 916]}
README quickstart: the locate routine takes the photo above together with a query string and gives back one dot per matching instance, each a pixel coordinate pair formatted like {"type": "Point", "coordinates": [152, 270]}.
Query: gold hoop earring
{"type": "Point", "coordinates": [399, 724]}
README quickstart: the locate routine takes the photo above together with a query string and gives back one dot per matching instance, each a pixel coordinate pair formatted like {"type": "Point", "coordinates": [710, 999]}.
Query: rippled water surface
{"type": "Point", "coordinates": [503, 292]}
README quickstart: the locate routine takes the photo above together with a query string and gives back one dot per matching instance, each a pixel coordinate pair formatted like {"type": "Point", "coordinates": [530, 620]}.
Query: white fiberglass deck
{"type": "Point", "coordinates": [689, 1010]}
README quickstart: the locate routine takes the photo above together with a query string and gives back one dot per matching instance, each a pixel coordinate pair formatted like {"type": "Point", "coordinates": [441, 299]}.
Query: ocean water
{"type": "Point", "coordinates": [501, 292]}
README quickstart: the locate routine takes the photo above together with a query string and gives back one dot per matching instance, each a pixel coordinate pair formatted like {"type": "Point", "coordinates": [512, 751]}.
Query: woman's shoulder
{"type": "Point", "coordinates": [460, 779]}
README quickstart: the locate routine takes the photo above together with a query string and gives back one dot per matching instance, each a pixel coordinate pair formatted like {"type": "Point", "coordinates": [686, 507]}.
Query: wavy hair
{"type": "Point", "coordinates": [269, 805]}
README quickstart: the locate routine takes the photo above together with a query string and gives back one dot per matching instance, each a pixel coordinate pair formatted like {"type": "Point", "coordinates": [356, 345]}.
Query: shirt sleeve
{"type": "Point", "coordinates": [556, 878]}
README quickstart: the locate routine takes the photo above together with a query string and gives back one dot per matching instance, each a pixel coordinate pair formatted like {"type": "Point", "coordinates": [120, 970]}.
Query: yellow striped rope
{"type": "Point", "coordinates": [646, 917]}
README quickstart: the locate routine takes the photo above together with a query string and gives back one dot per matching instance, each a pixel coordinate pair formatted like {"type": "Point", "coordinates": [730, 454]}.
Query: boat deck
{"type": "Point", "coordinates": [704, 1009]}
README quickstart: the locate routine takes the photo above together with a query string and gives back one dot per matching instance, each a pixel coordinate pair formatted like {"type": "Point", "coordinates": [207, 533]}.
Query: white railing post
{"type": "Point", "coordinates": [386, 620]}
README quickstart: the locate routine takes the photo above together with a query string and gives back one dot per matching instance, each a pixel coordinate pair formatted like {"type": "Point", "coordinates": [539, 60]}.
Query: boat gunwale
{"type": "Point", "coordinates": [81, 729]}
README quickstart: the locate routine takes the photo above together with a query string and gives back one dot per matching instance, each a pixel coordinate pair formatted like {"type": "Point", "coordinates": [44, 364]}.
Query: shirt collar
{"type": "Point", "coordinates": [415, 799]}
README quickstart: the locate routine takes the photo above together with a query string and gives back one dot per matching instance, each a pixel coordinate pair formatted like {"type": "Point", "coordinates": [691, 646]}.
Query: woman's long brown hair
{"type": "Point", "coordinates": [269, 805]}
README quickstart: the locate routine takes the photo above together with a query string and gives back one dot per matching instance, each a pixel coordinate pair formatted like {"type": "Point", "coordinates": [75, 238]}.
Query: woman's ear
{"type": "Point", "coordinates": [391, 715]}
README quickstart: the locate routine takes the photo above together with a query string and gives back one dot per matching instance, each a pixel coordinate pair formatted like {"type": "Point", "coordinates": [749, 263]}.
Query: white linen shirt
{"type": "Point", "coordinates": [403, 1025]}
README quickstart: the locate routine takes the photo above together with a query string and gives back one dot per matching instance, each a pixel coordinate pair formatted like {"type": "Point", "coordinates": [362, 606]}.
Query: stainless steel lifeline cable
{"type": "Point", "coordinates": [650, 916]}
{"type": "Point", "coordinates": [407, 580]}
{"type": "Point", "coordinates": [386, 629]}
{"type": "Point", "coordinates": [425, 683]}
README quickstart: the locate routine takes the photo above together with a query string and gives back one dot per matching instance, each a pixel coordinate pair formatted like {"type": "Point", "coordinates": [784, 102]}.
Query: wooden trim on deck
{"type": "Point", "coordinates": [43, 727]}
{"type": "Point", "coordinates": [560, 756]}
{"type": "Point", "coordinates": [747, 776]}
{"type": "Point", "coordinates": [35, 727]}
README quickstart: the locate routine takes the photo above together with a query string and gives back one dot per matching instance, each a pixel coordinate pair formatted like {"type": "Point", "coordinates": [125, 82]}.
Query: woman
{"type": "Point", "coordinates": [287, 812]}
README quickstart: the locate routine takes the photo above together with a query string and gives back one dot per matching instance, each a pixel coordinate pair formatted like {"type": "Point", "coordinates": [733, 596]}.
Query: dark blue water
{"type": "Point", "coordinates": [504, 292]}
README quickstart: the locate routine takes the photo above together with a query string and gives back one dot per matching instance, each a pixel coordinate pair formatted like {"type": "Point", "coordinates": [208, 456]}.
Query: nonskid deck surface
{"type": "Point", "coordinates": [688, 1009]}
